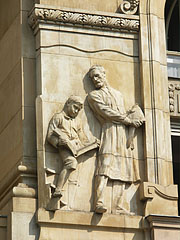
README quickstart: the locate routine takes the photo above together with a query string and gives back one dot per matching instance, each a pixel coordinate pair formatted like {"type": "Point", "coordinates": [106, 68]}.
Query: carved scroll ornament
{"type": "Point", "coordinates": [83, 19]}
{"type": "Point", "coordinates": [129, 6]}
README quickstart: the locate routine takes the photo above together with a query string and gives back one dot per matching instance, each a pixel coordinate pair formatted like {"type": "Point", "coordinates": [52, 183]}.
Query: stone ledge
{"type": "Point", "coordinates": [164, 227]}
{"type": "Point", "coordinates": [163, 221]}
{"type": "Point", "coordinates": [88, 219]}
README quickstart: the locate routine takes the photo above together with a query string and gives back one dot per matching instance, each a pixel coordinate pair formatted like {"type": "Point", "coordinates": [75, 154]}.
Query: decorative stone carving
{"type": "Point", "coordinates": [66, 134]}
{"type": "Point", "coordinates": [171, 97]}
{"type": "Point", "coordinates": [129, 6]}
{"type": "Point", "coordinates": [115, 160]}
{"type": "Point", "coordinates": [155, 197]}
{"type": "Point", "coordinates": [69, 17]}
{"type": "Point", "coordinates": [22, 190]}
{"type": "Point", "coordinates": [174, 98]}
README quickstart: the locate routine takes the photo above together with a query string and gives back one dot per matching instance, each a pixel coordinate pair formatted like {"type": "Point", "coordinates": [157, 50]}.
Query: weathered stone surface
{"type": "Point", "coordinates": [70, 37]}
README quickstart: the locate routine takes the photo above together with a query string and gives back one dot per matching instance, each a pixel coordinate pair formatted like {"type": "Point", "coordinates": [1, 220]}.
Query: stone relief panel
{"type": "Point", "coordinates": [65, 133]}
{"type": "Point", "coordinates": [64, 143]}
{"type": "Point", "coordinates": [115, 168]}
{"type": "Point", "coordinates": [174, 98]}
{"type": "Point", "coordinates": [115, 159]}
{"type": "Point", "coordinates": [63, 60]}
{"type": "Point", "coordinates": [82, 181]}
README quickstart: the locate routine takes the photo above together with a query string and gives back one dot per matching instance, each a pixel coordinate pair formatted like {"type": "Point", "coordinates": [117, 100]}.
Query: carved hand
{"type": "Point", "coordinates": [63, 141]}
{"type": "Point", "coordinates": [127, 121]}
{"type": "Point", "coordinates": [137, 123]}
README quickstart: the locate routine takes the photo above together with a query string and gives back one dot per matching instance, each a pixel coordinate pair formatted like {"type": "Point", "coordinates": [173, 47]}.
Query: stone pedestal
{"type": "Point", "coordinates": [83, 225]}
{"type": "Point", "coordinates": [164, 227]}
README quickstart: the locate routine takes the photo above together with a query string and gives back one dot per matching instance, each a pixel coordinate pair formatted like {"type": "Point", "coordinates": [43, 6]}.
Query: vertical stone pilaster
{"type": "Point", "coordinates": [155, 92]}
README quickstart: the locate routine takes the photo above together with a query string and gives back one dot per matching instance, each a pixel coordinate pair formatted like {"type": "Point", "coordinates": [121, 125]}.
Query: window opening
{"type": "Point", "coordinates": [172, 21]}
{"type": "Point", "coordinates": [175, 138]}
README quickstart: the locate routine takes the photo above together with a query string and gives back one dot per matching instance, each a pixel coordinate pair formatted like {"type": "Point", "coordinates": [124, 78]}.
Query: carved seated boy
{"type": "Point", "coordinates": [65, 132]}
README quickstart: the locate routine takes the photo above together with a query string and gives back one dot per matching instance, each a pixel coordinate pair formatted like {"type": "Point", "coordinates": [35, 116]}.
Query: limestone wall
{"type": "Point", "coordinates": [3, 227]}
{"type": "Point", "coordinates": [46, 51]}
{"type": "Point", "coordinates": [104, 6]}
{"type": "Point", "coordinates": [11, 135]}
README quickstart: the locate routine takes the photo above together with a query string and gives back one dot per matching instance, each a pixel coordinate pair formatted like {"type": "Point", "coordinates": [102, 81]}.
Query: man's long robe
{"type": "Point", "coordinates": [114, 159]}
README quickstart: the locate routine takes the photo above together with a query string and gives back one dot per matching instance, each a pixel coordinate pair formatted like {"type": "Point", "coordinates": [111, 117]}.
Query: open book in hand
{"type": "Point", "coordinates": [77, 151]}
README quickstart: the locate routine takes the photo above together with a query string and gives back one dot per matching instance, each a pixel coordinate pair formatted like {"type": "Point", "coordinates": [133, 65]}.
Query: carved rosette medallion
{"type": "Point", "coordinates": [79, 19]}
{"type": "Point", "coordinates": [174, 99]}
{"type": "Point", "coordinates": [129, 7]}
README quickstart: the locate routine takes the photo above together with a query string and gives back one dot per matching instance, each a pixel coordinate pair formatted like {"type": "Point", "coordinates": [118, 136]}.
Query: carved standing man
{"type": "Point", "coordinates": [114, 159]}
{"type": "Point", "coordinates": [66, 134]}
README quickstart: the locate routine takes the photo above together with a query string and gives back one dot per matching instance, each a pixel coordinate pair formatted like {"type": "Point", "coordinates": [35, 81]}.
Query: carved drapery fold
{"type": "Point", "coordinates": [80, 19]}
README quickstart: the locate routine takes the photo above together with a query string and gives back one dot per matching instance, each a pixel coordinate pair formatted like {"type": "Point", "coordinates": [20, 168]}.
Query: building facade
{"type": "Point", "coordinates": [47, 50]}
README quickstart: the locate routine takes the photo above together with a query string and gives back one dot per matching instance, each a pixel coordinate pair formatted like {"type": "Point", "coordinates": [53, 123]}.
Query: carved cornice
{"type": "Point", "coordinates": [115, 22]}
{"type": "Point", "coordinates": [129, 7]}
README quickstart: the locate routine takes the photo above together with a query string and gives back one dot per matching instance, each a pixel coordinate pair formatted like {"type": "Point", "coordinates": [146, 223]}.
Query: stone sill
{"type": "Point", "coordinates": [89, 219]}
{"type": "Point", "coordinates": [173, 53]}
{"type": "Point", "coordinates": [163, 221]}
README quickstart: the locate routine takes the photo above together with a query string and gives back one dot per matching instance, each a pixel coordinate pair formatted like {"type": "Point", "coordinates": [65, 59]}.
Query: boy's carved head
{"type": "Point", "coordinates": [73, 105]}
